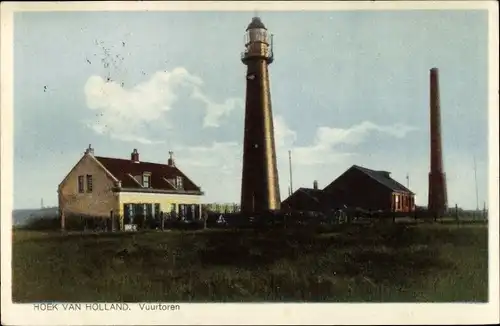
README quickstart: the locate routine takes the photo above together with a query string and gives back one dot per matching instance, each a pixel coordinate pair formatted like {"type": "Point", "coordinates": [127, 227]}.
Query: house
{"type": "Point", "coordinates": [358, 187]}
{"type": "Point", "coordinates": [103, 186]}
{"type": "Point", "coordinates": [371, 190]}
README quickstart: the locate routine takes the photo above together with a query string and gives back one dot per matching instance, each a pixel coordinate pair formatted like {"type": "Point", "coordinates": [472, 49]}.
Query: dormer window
{"type": "Point", "coordinates": [146, 178]}
{"type": "Point", "coordinates": [178, 182]}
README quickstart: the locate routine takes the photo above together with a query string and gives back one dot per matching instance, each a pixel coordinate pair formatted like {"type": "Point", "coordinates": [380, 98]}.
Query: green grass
{"type": "Point", "coordinates": [391, 263]}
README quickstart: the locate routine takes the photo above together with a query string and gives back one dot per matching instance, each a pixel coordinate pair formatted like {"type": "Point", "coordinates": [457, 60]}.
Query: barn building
{"type": "Point", "coordinates": [358, 187]}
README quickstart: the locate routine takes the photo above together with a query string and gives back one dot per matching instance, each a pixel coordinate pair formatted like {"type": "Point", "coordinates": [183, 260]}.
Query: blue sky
{"type": "Point", "coordinates": [346, 88]}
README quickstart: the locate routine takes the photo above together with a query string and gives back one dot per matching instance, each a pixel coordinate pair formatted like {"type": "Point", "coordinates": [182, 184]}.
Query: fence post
{"type": "Point", "coordinates": [456, 213]}
{"type": "Point", "coordinates": [112, 221]}
{"type": "Point", "coordinates": [162, 217]}
{"type": "Point", "coordinates": [63, 220]}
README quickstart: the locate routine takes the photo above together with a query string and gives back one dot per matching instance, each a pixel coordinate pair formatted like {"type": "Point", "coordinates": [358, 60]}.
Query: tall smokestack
{"type": "Point", "coordinates": [438, 201]}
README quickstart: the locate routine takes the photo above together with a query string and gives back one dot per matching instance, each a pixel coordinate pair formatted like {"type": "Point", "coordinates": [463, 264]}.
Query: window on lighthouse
{"type": "Point", "coordinates": [257, 35]}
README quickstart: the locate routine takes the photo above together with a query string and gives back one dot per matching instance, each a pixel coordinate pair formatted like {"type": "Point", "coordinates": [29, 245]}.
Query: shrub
{"type": "Point", "coordinates": [43, 223]}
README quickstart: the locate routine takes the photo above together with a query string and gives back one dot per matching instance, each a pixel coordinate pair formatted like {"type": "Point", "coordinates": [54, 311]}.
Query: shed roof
{"type": "Point", "coordinates": [384, 178]}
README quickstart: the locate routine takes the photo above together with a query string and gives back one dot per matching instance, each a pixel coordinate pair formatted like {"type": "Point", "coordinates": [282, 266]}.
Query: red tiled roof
{"type": "Point", "coordinates": [121, 168]}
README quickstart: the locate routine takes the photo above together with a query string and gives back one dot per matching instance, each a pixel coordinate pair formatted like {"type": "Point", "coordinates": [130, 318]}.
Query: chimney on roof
{"type": "Point", "coordinates": [171, 161]}
{"type": "Point", "coordinates": [315, 185]}
{"type": "Point", "coordinates": [89, 150]}
{"type": "Point", "coordinates": [135, 156]}
{"type": "Point", "coordinates": [386, 174]}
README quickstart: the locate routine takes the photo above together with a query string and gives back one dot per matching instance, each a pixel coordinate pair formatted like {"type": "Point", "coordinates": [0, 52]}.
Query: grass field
{"type": "Point", "coordinates": [354, 263]}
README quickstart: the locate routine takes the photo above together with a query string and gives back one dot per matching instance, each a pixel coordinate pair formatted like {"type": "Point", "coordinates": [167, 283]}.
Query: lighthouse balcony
{"type": "Point", "coordinates": [266, 54]}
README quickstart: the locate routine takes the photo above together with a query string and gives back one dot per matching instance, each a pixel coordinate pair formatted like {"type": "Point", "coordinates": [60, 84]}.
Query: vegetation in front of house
{"type": "Point", "coordinates": [387, 262]}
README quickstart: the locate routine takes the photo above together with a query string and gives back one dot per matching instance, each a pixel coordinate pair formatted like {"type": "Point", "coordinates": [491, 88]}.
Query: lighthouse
{"type": "Point", "coordinates": [259, 186]}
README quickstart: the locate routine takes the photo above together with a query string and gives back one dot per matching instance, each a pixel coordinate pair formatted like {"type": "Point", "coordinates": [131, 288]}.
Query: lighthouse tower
{"type": "Point", "coordinates": [259, 187]}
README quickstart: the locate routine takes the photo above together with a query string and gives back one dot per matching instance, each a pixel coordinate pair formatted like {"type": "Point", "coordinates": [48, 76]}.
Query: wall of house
{"type": "Point", "coordinates": [165, 200]}
{"type": "Point", "coordinates": [99, 202]}
{"type": "Point", "coordinates": [354, 188]}
{"type": "Point", "coordinates": [406, 202]}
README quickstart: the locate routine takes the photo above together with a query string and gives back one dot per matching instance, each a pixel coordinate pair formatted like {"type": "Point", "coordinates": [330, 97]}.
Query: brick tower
{"type": "Point", "coordinates": [259, 186]}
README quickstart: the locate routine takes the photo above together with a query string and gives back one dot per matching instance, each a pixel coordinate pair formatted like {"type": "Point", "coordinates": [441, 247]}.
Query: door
{"type": "Point", "coordinates": [149, 211]}
{"type": "Point", "coordinates": [196, 212]}
{"type": "Point", "coordinates": [138, 213]}
{"type": "Point", "coordinates": [188, 212]}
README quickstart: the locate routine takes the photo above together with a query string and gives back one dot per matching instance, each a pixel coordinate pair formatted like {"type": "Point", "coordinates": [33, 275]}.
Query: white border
{"type": "Point", "coordinates": [252, 313]}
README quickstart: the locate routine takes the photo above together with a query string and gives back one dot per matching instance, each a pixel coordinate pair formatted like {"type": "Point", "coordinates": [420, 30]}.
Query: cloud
{"type": "Point", "coordinates": [358, 133]}
{"type": "Point", "coordinates": [216, 168]}
{"type": "Point", "coordinates": [214, 111]}
{"type": "Point", "coordinates": [219, 164]}
{"type": "Point", "coordinates": [220, 155]}
{"type": "Point", "coordinates": [127, 114]}
{"type": "Point", "coordinates": [283, 135]}
{"type": "Point", "coordinates": [325, 148]}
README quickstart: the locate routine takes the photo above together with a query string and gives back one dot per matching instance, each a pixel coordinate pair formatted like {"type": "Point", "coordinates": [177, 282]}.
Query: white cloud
{"type": "Point", "coordinates": [218, 166]}
{"type": "Point", "coordinates": [217, 155]}
{"type": "Point", "coordinates": [214, 111]}
{"type": "Point", "coordinates": [283, 135]}
{"type": "Point", "coordinates": [127, 113]}
{"type": "Point", "coordinates": [324, 151]}
{"type": "Point", "coordinates": [358, 133]}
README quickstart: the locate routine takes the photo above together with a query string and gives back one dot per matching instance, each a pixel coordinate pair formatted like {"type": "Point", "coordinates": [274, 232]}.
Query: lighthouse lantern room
{"type": "Point", "coordinates": [258, 42]}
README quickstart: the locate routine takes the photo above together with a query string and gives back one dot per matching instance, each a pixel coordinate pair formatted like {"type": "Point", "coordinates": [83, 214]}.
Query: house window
{"type": "Point", "coordinates": [128, 210]}
{"type": "Point", "coordinates": [178, 181]}
{"type": "Point", "coordinates": [89, 183]}
{"type": "Point", "coordinates": [193, 212]}
{"type": "Point", "coordinates": [145, 180]}
{"type": "Point", "coordinates": [397, 201]}
{"type": "Point", "coordinates": [80, 183]}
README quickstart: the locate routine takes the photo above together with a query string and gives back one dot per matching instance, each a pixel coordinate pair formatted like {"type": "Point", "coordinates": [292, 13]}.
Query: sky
{"type": "Point", "coordinates": [347, 87]}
